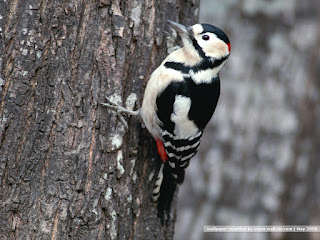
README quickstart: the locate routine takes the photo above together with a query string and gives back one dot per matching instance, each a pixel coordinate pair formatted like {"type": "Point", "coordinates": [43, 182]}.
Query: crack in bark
{"type": "Point", "coordinates": [55, 226]}
{"type": "Point", "coordinates": [91, 151]}
{"type": "Point", "coordinates": [51, 139]}
{"type": "Point", "coordinates": [5, 88]}
{"type": "Point", "coordinates": [26, 128]}
{"type": "Point", "coordinates": [12, 12]}
{"type": "Point", "coordinates": [79, 39]}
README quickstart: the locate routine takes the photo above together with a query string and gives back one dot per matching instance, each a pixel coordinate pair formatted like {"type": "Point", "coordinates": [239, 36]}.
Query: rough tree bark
{"type": "Point", "coordinates": [68, 168]}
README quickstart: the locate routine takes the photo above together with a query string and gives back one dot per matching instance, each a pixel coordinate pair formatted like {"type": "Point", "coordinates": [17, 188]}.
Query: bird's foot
{"type": "Point", "coordinates": [120, 111]}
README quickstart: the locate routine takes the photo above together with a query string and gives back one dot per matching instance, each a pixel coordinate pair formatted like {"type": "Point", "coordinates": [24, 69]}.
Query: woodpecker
{"type": "Point", "coordinates": [179, 100]}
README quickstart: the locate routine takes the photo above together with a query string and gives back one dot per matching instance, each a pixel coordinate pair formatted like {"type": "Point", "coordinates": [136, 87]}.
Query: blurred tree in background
{"type": "Point", "coordinates": [259, 158]}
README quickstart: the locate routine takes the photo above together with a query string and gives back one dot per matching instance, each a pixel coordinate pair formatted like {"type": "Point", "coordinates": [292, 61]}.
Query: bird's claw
{"type": "Point", "coordinates": [119, 110]}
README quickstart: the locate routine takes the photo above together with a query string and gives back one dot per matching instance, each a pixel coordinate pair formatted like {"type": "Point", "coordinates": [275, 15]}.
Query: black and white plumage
{"type": "Point", "coordinates": [180, 99]}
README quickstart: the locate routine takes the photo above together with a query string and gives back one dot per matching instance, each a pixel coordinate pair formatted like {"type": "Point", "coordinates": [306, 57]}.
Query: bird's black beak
{"type": "Point", "coordinates": [181, 29]}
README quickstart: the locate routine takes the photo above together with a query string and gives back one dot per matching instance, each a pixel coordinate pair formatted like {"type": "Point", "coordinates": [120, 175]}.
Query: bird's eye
{"type": "Point", "coordinates": [205, 37]}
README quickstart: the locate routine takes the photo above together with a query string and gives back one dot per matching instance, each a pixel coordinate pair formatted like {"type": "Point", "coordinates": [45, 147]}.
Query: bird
{"type": "Point", "coordinates": [179, 101]}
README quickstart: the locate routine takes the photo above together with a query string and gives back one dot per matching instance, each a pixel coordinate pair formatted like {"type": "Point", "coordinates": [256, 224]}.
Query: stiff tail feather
{"type": "Point", "coordinates": [164, 191]}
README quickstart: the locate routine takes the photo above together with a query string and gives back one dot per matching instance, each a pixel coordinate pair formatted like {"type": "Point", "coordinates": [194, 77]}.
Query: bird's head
{"type": "Point", "coordinates": [209, 41]}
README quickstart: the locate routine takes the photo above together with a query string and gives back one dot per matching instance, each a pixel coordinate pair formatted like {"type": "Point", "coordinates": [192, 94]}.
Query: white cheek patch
{"type": "Point", "coordinates": [184, 127]}
{"type": "Point", "coordinates": [214, 47]}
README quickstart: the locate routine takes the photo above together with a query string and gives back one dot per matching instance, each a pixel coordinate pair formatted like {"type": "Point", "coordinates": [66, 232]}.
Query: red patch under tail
{"type": "Point", "coordinates": [161, 151]}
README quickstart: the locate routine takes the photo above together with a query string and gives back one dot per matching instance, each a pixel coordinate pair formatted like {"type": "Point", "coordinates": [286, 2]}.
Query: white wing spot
{"type": "Point", "coordinates": [184, 127]}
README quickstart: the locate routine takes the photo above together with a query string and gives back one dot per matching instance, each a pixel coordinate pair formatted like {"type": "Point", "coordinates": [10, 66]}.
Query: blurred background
{"type": "Point", "coordinates": [259, 162]}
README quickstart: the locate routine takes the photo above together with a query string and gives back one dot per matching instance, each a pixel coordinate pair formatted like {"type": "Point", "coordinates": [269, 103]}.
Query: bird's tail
{"type": "Point", "coordinates": [164, 191]}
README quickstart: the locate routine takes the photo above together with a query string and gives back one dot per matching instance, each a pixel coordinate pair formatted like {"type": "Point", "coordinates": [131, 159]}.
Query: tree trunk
{"type": "Point", "coordinates": [68, 167]}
